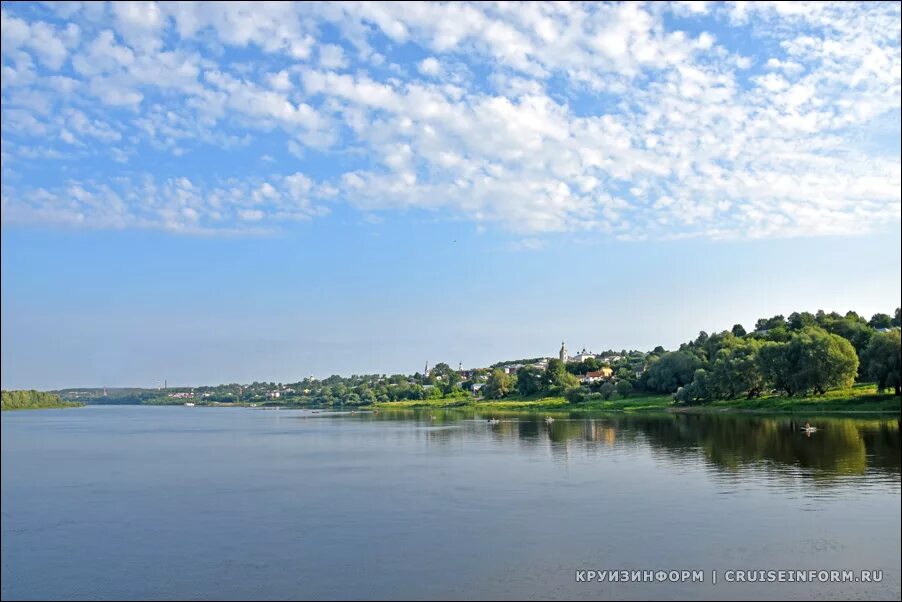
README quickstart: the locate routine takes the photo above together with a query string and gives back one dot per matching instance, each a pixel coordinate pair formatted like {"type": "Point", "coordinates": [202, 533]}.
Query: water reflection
{"type": "Point", "coordinates": [728, 443]}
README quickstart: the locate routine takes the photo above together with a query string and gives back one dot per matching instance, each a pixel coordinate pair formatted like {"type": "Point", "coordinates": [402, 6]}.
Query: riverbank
{"type": "Point", "coordinates": [860, 398]}
{"type": "Point", "coordinates": [34, 400]}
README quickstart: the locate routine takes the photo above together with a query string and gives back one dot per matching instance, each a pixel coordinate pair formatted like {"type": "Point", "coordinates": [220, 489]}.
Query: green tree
{"type": "Point", "coordinates": [624, 388]}
{"type": "Point", "coordinates": [697, 390]}
{"type": "Point", "coordinates": [498, 384]}
{"type": "Point", "coordinates": [882, 359]}
{"type": "Point", "coordinates": [529, 380]}
{"type": "Point", "coordinates": [777, 321]}
{"type": "Point", "coordinates": [735, 370]}
{"type": "Point", "coordinates": [670, 371]}
{"type": "Point", "coordinates": [776, 369]}
{"type": "Point", "coordinates": [557, 379]}
{"type": "Point", "coordinates": [575, 394]}
{"type": "Point", "coordinates": [798, 321]}
{"type": "Point", "coordinates": [738, 330]}
{"type": "Point", "coordinates": [881, 321]}
{"type": "Point", "coordinates": [607, 390]}
{"type": "Point", "coordinates": [20, 400]}
{"type": "Point", "coordinates": [813, 360]}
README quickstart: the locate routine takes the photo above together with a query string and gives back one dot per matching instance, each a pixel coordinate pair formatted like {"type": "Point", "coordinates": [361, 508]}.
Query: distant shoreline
{"type": "Point", "coordinates": [34, 400]}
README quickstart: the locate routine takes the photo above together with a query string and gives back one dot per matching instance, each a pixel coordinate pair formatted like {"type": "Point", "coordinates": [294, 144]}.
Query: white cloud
{"type": "Point", "coordinates": [533, 117]}
{"type": "Point", "coordinates": [332, 56]}
{"type": "Point", "coordinates": [430, 66]}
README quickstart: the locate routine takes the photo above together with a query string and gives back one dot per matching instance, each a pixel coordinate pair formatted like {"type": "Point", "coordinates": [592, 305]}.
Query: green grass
{"type": "Point", "coordinates": [860, 398]}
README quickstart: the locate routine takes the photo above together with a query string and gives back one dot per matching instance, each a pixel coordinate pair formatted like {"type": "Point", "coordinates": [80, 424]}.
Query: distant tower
{"type": "Point", "coordinates": [563, 353]}
{"type": "Point", "coordinates": [460, 366]}
{"type": "Point", "coordinates": [104, 390]}
{"type": "Point", "coordinates": [426, 370]}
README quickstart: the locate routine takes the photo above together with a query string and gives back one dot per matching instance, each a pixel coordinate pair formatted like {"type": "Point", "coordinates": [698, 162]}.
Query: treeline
{"type": "Point", "coordinates": [801, 354]}
{"type": "Point", "coordinates": [22, 400]}
{"type": "Point", "coordinates": [798, 355]}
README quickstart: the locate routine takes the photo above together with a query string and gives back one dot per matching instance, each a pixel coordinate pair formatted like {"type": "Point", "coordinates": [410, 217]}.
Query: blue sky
{"type": "Point", "coordinates": [215, 193]}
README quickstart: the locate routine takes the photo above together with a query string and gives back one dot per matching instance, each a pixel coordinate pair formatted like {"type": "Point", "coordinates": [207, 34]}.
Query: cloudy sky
{"type": "Point", "coordinates": [207, 193]}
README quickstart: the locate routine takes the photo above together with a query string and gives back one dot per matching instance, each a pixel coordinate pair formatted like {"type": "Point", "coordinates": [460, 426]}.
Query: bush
{"type": "Point", "coordinates": [575, 395]}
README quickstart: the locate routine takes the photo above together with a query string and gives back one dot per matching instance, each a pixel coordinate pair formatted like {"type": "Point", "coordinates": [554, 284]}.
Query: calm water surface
{"type": "Point", "coordinates": [219, 503]}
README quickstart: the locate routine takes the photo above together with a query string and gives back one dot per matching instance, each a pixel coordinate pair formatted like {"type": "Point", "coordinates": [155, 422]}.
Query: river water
{"type": "Point", "coordinates": [238, 503]}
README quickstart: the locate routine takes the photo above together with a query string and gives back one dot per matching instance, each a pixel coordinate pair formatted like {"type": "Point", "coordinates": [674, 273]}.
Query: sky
{"type": "Point", "coordinates": [205, 193]}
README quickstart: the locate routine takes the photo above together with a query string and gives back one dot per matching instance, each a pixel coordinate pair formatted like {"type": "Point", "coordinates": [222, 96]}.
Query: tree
{"type": "Point", "coordinates": [624, 388]}
{"type": "Point", "coordinates": [798, 321]}
{"type": "Point", "coordinates": [824, 361]}
{"type": "Point", "coordinates": [557, 378]}
{"type": "Point", "coordinates": [671, 371]}
{"type": "Point", "coordinates": [738, 330]}
{"type": "Point", "coordinates": [697, 390]}
{"type": "Point", "coordinates": [882, 360]}
{"type": "Point", "coordinates": [529, 380]}
{"type": "Point", "coordinates": [775, 367]}
{"type": "Point", "coordinates": [498, 384]}
{"type": "Point", "coordinates": [14, 400]}
{"type": "Point", "coordinates": [607, 390]}
{"type": "Point", "coordinates": [880, 321]}
{"type": "Point", "coordinates": [736, 370]}
{"type": "Point", "coordinates": [575, 394]}
{"type": "Point", "coordinates": [813, 360]}
{"type": "Point", "coordinates": [589, 364]}
{"type": "Point", "coordinates": [851, 326]}
{"type": "Point", "coordinates": [770, 323]}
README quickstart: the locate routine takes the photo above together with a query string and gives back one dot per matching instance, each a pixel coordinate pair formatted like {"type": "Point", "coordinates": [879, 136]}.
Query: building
{"type": "Point", "coordinates": [582, 355]}
{"type": "Point", "coordinates": [597, 375]}
{"type": "Point", "coordinates": [563, 352]}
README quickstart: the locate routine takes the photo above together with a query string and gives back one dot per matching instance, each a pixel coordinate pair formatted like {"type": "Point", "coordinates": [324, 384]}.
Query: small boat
{"type": "Point", "coordinates": [189, 405]}
{"type": "Point", "coordinates": [548, 419]}
{"type": "Point", "coordinates": [809, 429]}
{"type": "Point", "coordinates": [494, 421]}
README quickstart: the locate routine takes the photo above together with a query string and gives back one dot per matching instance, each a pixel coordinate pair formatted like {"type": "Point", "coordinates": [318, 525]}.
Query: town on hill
{"type": "Point", "coordinates": [804, 354]}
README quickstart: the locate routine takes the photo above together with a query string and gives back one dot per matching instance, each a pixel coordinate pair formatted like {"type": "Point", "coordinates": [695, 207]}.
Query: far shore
{"type": "Point", "coordinates": [860, 399]}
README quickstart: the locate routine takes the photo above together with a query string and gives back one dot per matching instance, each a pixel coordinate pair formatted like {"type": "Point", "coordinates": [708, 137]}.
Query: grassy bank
{"type": "Point", "coordinates": [860, 398]}
{"type": "Point", "coordinates": [33, 400]}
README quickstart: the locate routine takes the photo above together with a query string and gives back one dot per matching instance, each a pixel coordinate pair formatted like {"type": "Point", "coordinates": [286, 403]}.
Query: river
{"type": "Point", "coordinates": [244, 503]}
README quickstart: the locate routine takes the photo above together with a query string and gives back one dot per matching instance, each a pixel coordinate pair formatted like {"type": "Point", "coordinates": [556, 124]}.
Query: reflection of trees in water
{"type": "Point", "coordinates": [841, 446]}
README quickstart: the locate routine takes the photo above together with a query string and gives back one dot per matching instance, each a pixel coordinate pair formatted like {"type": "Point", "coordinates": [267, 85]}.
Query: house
{"type": "Point", "coordinates": [475, 387]}
{"type": "Point", "coordinates": [597, 376]}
